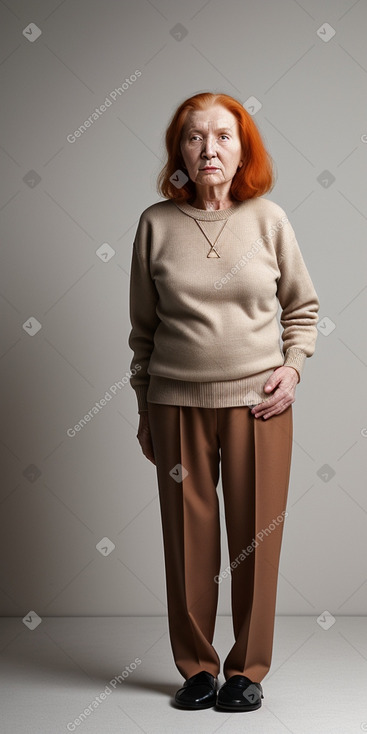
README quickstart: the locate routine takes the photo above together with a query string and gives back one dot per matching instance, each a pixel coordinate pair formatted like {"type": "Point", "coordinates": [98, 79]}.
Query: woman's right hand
{"type": "Point", "coordinates": [144, 436]}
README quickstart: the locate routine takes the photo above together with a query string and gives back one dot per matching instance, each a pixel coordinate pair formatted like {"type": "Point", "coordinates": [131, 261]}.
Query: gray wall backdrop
{"type": "Point", "coordinates": [80, 522]}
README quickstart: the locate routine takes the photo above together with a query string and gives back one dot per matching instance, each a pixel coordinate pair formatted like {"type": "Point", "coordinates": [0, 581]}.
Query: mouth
{"type": "Point", "coordinates": [209, 168]}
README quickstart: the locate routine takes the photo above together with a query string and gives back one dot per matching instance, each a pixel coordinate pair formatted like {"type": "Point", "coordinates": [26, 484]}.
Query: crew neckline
{"type": "Point", "coordinates": [210, 215]}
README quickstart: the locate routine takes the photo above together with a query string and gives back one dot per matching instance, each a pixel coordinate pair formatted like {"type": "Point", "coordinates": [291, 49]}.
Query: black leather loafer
{"type": "Point", "coordinates": [198, 692]}
{"type": "Point", "coordinates": [239, 693]}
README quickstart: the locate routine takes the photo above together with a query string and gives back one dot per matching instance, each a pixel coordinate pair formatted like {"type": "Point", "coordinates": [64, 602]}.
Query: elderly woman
{"type": "Point", "coordinates": [215, 386]}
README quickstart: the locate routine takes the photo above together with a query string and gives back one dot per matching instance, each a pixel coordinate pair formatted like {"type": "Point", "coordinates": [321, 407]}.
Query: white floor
{"type": "Point", "coordinates": [50, 675]}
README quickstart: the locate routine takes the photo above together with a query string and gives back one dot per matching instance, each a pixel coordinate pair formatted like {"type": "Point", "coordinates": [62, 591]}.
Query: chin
{"type": "Point", "coordinates": [207, 174]}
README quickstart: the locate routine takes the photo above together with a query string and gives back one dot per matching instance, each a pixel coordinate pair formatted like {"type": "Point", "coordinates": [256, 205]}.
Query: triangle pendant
{"type": "Point", "coordinates": [213, 253]}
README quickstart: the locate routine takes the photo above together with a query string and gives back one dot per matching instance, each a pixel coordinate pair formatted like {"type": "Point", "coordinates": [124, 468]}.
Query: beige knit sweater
{"type": "Point", "coordinates": [205, 330]}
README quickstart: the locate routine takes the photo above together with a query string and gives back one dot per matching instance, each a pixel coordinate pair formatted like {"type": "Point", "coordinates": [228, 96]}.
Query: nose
{"type": "Point", "coordinates": [208, 150]}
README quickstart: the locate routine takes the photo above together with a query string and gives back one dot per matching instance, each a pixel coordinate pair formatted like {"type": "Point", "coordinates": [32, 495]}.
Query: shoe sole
{"type": "Point", "coordinates": [193, 707]}
{"type": "Point", "coordinates": [228, 707]}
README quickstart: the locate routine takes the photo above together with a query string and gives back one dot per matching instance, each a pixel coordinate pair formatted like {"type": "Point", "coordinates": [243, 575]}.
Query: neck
{"type": "Point", "coordinates": [212, 197]}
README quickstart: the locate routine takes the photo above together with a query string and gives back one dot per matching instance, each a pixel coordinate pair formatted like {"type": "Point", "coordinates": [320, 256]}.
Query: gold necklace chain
{"type": "Point", "coordinates": [213, 252]}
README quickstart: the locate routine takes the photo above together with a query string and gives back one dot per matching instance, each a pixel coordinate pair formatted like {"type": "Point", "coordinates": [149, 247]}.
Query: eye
{"type": "Point", "coordinates": [195, 137]}
{"type": "Point", "coordinates": [224, 135]}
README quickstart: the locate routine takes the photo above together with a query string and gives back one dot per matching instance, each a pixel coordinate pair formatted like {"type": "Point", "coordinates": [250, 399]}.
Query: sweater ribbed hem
{"type": "Point", "coordinates": [141, 396]}
{"type": "Point", "coordinates": [225, 394]}
{"type": "Point", "coordinates": [296, 358]}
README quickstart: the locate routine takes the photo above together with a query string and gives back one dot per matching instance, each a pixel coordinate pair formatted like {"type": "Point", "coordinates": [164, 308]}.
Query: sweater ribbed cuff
{"type": "Point", "coordinates": [141, 396]}
{"type": "Point", "coordinates": [295, 357]}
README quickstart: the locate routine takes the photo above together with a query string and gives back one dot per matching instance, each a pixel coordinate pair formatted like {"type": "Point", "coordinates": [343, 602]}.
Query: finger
{"type": "Point", "coordinates": [268, 401]}
{"type": "Point", "coordinates": [276, 407]}
{"type": "Point", "coordinates": [276, 411]}
{"type": "Point", "coordinates": [283, 396]}
{"type": "Point", "coordinates": [280, 408]}
{"type": "Point", "coordinates": [265, 405]}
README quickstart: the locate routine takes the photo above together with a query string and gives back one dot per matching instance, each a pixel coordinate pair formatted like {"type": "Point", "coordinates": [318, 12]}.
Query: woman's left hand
{"type": "Point", "coordinates": [285, 380]}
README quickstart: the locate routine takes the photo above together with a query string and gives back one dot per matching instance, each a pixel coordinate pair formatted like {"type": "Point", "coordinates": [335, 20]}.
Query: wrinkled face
{"type": "Point", "coordinates": [211, 145]}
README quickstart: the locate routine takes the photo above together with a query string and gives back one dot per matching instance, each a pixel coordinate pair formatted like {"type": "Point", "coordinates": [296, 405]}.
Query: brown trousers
{"type": "Point", "coordinates": [255, 458]}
